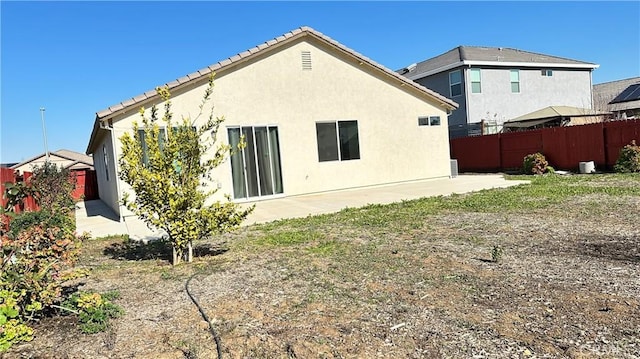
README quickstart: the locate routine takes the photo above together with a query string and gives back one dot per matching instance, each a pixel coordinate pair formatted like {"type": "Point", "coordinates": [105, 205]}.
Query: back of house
{"type": "Point", "coordinates": [316, 116]}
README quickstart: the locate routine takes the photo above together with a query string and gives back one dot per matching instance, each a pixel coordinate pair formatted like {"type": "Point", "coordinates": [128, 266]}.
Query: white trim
{"type": "Point", "coordinates": [501, 64]}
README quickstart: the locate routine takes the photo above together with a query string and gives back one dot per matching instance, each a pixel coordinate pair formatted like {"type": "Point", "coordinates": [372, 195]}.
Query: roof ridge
{"type": "Point", "coordinates": [237, 57]}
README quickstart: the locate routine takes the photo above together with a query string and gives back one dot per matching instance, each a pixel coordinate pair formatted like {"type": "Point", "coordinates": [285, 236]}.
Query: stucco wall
{"type": "Point", "coordinates": [107, 188]}
{"type": "Point", "coordinates": [276, 91]}
{"type": "Point", "coordinates": [497, 102]}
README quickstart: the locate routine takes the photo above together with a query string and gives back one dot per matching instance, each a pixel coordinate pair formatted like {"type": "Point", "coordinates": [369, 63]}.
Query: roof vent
{"type": "Point", "coordinates": [412, 67]}
{"type": "Point", "coordinates": [306, 60]}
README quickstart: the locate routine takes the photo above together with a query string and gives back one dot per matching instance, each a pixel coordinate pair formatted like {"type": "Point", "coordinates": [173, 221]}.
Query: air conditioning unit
{"type": "Point", "coordinates": [454, 168]}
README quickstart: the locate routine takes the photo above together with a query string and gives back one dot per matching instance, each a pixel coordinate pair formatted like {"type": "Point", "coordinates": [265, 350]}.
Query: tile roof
{"type": "Point", "coordinates": [75, 156]}
{"type": "Point", "coordinates": [243, 56]}
{"type": "Point", "coordinates": [494, 56]}
{"type": "Point", "coordinates": [65, 154]}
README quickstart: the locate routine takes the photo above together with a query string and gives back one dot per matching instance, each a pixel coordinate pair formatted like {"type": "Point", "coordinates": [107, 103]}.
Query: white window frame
{"type": "Point", "coordinates": [547, 72]}
{"type": "Point", "coordinates": [105, 157]}
{"type": "Point", "coordinates": [479, 82]}
{"type": "Point", "coordinates": [511, 82]}
{"type": "Point", "coordinates": [429, 121]}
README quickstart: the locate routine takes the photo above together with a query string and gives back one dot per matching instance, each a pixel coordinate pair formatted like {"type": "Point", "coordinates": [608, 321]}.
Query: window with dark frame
{"type": "Point", "coordinates": [338, 141]}
{"type": "Point", "coordinates": [143, 143]}
{"type": "Point", "coordinates": [455, 83]}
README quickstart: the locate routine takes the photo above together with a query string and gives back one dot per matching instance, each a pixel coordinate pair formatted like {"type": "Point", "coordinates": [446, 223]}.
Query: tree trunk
{"type": "Point", "coordinates": [189, 253]}
{"type": "Point", "coordinates": [180, 254]}
{"type": "Point", "coordinates": [176, 255]}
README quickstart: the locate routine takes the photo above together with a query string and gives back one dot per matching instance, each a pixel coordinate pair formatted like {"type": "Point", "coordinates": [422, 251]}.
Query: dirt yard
{"type": "Point", "coordinates": [411, 280]}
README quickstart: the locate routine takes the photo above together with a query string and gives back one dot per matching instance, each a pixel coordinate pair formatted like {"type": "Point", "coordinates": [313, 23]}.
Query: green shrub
{"type": "Point", "coordinates": [95, 310]}
{"type": "Point", "coordinates": [12, 330]}
{"type": "Point", "coordinates": [629, 159]}
{"type": "Point", "coordinates": [535, 164]}
{"type": "Point", "coordinates": [39, 250]}
{"type": "Point", "coordinates": [26, 220]}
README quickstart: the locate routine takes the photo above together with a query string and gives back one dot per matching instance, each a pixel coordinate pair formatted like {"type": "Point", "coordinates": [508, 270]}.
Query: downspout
{"type": "Point", "coordinates": [466, 97]}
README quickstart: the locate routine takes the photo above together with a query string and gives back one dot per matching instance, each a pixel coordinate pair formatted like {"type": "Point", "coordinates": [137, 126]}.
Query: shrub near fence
{"type": "Point", "coordinates": [564, 147]}
{"type": "Point", "coordinates": [9, 175]}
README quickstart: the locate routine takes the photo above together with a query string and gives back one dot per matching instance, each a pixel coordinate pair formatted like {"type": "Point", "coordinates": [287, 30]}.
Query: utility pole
{"type": "Point", "coordinates": [44, 133]}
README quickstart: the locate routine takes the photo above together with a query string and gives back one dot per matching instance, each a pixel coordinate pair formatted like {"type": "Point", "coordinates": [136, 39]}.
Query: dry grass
{"type": "Point", "coordinates": [410, 280]}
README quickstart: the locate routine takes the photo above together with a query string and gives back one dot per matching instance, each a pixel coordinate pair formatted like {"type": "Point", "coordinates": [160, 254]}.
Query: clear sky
{"type": "Point", "coordinates": [77, 58]}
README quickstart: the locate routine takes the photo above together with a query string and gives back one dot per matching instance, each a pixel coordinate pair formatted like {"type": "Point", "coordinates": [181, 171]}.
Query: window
{"type": "Point", "coordinates": [106, 161]}
{"type": "Point", "coordinates": [548, 73]}
{"type": "Point", "coordinates": [143, 143]}
{"type": "Point", "coordinates": [338, 141]}
{"type": "Point", "coordinates": [515, 81]}
{"type": "Point", "coordinates": [475, 81]}
{"type": "Point", "coordinates": [429, 121]}
{"type": "Point", "coordinates": [455, 83]}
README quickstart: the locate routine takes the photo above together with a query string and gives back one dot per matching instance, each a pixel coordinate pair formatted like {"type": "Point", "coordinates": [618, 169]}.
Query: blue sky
{"type": "Point", "coordinates": [77, 58]}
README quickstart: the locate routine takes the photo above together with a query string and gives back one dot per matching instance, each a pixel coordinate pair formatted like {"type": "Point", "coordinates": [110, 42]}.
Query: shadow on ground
{"type": "Point", "coordinates": [98, 208]}
{"type": "Point", "coordinates": [612, 247]}
{"type": "Point", "coordinates": [155, 250]}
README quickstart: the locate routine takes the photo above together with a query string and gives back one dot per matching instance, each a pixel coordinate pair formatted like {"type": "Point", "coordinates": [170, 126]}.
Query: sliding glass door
{"type": "Point", "coordinates": [256, 168]}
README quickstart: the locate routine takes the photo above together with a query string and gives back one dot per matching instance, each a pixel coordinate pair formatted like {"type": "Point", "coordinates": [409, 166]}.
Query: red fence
{"type": "Point", "coordinates": [86, 186]}
{"type": "Point", "coordinates": [8, 175]}
{"type": "Point", "coordinates": [564, 147]}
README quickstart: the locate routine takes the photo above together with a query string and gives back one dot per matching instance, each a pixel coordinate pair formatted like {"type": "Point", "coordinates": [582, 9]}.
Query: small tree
{"type": "Point", "coordinates": [168, 175]}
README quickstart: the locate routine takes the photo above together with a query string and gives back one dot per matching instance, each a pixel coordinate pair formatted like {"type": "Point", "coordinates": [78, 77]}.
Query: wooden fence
{"type": "Point", "coordinates": [564, 147]}
{"type": "Point", "coordinates": [86, 186]}
{"type": "Point", "coordinates": [10, 176]}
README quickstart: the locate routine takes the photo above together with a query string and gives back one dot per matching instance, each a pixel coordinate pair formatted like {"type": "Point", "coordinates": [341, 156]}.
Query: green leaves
{"type": "Point", "coordinates": [165, 167]}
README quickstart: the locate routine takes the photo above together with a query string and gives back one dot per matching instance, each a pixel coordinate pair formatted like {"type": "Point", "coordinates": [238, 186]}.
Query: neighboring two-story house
{"type": "Point", "coordinates": [493, 85]}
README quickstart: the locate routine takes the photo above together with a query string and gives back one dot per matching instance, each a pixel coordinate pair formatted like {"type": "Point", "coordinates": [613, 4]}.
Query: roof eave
{"type": "Point", "coordinates": [501, 64]}
{"type": "Point", "coordinates": [242, 57]}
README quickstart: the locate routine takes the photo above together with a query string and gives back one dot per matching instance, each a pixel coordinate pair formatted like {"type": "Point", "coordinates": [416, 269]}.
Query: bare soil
{"type": "Point", "coordinates": [566, 286]}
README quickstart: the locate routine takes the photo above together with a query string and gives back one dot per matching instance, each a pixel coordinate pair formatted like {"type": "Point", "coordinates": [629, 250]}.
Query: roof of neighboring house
{"type": "Point", "coordinates": [267, 46]}
{"type": "Point", "coordinates": [489, 56]}
{"type": "Point", "coordinates": [548, 113]}
{"type": "Point", "coordinates": [77, 158]}
{"type": "Point", "coordinates": [607, 92]}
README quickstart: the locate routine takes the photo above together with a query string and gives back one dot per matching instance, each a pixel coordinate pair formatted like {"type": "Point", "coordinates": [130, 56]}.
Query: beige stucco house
{"type": "Point", "coordinates": [317, 116]}
{"type": "Point", "coordinates": [62, 158]}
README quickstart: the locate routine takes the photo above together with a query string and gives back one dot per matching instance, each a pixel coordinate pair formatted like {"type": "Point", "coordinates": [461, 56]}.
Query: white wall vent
{"type": "Point", "coordinates": [306, 60]}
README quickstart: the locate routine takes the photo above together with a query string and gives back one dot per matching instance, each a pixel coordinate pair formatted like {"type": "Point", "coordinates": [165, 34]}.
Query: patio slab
{"type": "Point", "coordinates": [100, 221]}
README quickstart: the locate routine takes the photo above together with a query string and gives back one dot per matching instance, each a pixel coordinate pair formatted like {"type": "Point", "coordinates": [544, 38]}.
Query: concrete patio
{"type": "Point", "coordinates": [100, 221]}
